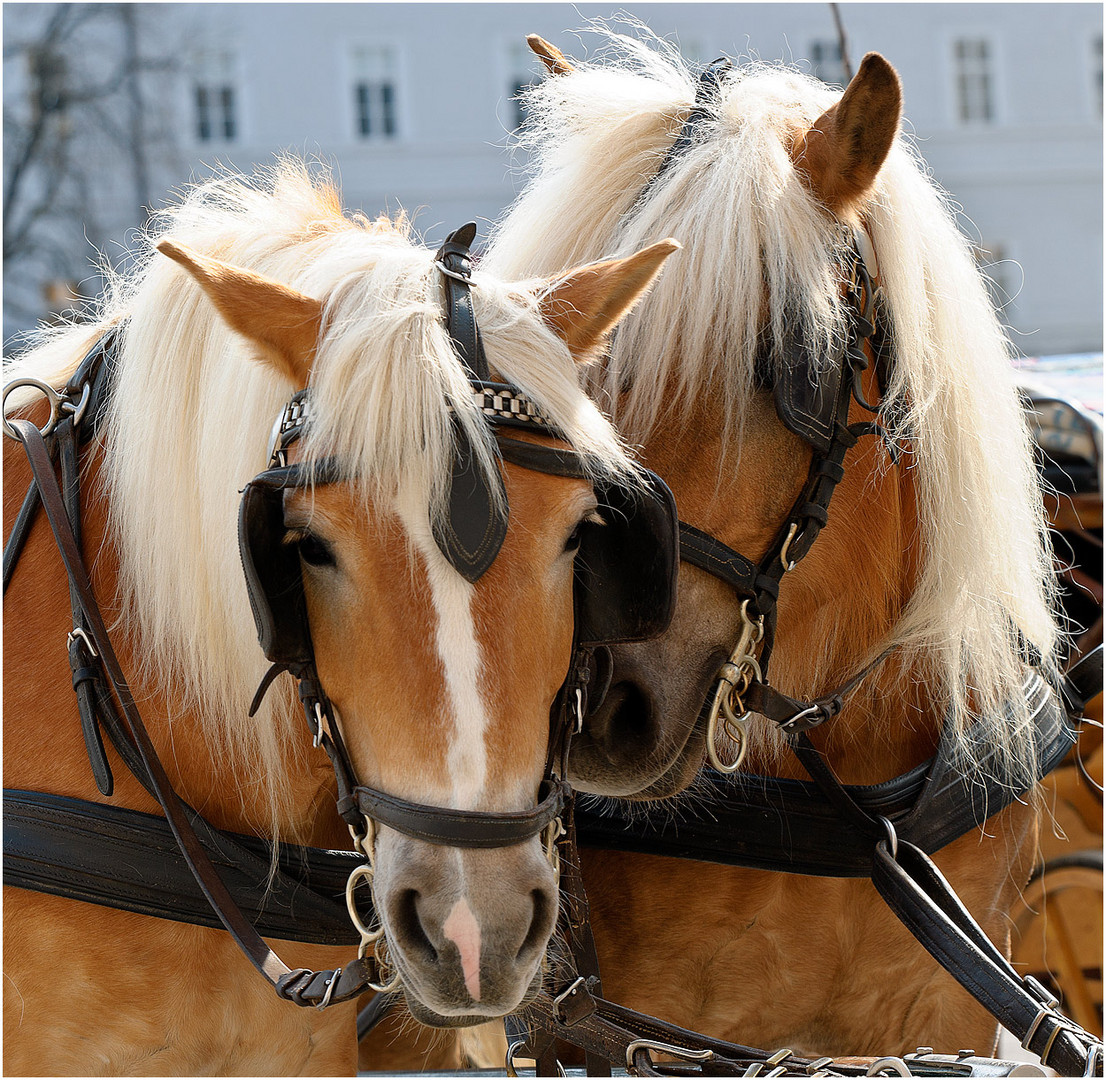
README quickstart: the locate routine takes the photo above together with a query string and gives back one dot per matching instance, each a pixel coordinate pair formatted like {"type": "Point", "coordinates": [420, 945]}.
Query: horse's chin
{"type": "Point", "coordinates": [430, 1018]}
{"type": "Point", "coordinates": [435, 1020]}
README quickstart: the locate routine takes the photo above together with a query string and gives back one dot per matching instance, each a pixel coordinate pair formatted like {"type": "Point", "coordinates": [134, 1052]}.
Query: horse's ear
{"type": "Point", "coordinates": [284, 322]}
{"type": "Point", "coordinates": [843, 152]}
{"type": "Point", "coordinates": [550, 55]}
{"type": "Point", "coordinates": [586, 304]}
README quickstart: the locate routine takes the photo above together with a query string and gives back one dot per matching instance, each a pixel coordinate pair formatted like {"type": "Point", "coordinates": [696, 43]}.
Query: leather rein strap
{"type": "Point", "coordinates": [351, 981]}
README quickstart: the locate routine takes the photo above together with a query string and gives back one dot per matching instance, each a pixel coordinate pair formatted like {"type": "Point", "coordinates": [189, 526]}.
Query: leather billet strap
{"type": "Point", "coordinates": [216, 892]}
{"type": "Point", "coordinates": [919, 895]}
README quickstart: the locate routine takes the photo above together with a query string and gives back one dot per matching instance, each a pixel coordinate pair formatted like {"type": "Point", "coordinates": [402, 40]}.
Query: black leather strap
{"type": "Point", "coordinates": [459, 828]}
{"type": "Point", "coordinates": [793, 826]}
{"type": "Point", "coordinates": [122, 858]}
{"type": "Point", "coordinates": [920, 896]}
{"type": "Point", "coordinates": [455, 262]}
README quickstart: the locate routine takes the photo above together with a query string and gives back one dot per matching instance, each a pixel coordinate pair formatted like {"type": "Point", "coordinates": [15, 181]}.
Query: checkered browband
{"type": "Point", "coordinates": [499, 402]}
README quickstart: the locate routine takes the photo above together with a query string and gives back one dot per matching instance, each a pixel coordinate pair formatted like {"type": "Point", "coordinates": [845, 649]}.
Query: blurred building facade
{"type": "Point", "coordinates": [414, 106]}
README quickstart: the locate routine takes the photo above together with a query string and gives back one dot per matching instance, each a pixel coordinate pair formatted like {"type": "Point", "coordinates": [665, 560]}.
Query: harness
{"type": "Point", "coordinates": [624, 591]}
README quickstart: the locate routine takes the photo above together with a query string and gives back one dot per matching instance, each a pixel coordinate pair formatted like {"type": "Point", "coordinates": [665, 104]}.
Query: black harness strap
{"type": "Point", "coordinates": [122, 858]}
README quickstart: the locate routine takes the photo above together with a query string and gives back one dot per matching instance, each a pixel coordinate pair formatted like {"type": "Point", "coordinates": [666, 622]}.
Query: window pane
{"type": "Point", "coordinates": [388, 108]}
{"type": "Point", "coordinates": [226, 100]}
{"type": "Point", "coordinates": [203, 114]}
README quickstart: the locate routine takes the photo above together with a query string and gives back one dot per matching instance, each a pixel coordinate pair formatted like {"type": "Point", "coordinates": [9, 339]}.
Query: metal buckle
{"type": "Point", "coordinates": [881, 1065]}
{"type": "Point", "coordinates": [892, 838]}
{"type": "Point", "coordinates": [453, 274]}
{"type": "Point", "coordinates": [665, 1048]}
{"type": "Point", "coordinates": [331, 983]}
{"type": "Point", "coordinates": [790, 726]}
{"type": "Point", "coordinates": [79, 632]}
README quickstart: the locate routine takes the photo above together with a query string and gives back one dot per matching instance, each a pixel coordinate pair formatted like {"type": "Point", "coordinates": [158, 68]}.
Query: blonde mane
{"type": "Point", "coordinates": [737, 204]}
{"type": "Point", "coordinates": [191, 411]}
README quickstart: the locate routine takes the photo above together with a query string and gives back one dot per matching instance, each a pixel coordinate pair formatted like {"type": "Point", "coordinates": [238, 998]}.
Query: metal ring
{"type": "Point", "coordinates": [880, 1065]}
{"type": "Point", "coordinates": [892, 838]}
{"type": "Point", "coordinates": [51, 395]}
{"type": "Point", "coordinates": [362, 871]}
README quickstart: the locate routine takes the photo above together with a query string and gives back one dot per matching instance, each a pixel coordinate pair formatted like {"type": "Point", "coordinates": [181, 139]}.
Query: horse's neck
{"type": "Point", "coordinates": [43, 746]}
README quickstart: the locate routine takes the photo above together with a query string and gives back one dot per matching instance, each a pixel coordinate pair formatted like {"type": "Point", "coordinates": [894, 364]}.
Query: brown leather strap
{"type": "Point", "coordinates": [293, 985]}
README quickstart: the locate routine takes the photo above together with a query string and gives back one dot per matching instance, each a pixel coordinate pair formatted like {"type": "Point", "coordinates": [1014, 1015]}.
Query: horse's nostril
{"type": "Point", "coordinates": [408, 926]}
{"type": "Point", "coordinates": [541, 923]}
{"type": "Point", "coordinates": [625, 717]}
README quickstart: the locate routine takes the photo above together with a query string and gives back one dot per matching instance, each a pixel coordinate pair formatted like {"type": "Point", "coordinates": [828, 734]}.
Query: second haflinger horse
{"type": "Point", "coordinates": [408, 562]}
{"type": "Point", "coordinates": [905, 615]}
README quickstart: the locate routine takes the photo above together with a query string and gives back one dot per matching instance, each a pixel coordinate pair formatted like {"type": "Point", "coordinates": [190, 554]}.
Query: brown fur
{"type": "Point", "coordinates": [283, 321]}
{"type": "Point", "coordinates": [552, 57]}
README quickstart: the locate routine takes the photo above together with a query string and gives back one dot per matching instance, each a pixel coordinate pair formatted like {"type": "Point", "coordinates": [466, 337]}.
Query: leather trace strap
{"type": "Point", "coordinates": [920, 896]}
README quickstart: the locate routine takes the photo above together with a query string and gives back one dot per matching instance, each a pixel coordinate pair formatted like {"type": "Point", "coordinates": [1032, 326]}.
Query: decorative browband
{"type": "Point", "coordinates": [500, 402]}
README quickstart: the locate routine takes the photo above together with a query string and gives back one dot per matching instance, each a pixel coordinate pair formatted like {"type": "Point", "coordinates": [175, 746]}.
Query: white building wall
{"type": "Point", "coordinates": [1030, 181]}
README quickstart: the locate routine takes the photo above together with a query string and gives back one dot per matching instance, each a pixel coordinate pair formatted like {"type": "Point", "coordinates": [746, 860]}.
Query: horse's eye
{"type": "Point", "coordinates": [591, 519]}
{"type": "Point", "coordinates": [315, 552]}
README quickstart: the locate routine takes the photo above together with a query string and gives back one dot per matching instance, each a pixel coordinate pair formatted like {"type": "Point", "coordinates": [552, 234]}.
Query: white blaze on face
{"type": "Point", "coordinates": [463, 930]}
{"type": "Point", "coordinates": [459, 652]}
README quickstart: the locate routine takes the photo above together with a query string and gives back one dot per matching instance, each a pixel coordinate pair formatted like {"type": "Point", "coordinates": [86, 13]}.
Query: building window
{"type": "Point", "coordinates": [214, 100]}
{"type": "Point", "coordinates": [975, 93]}
{"type": "Point", "coordinates": [1096, 72]}
{"type": "Point", "coordinates": [374, 93]}
{"type": "Point", "coordinates": [523, 65]}
{"type": "Point", "coordinates": [827, 63]}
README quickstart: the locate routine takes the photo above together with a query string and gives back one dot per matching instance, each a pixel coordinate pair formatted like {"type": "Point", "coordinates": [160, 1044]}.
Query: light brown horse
{"type": "Point", "coordinates": [941, 554]}
{"type": "Point", "coordinates": [442, 687]}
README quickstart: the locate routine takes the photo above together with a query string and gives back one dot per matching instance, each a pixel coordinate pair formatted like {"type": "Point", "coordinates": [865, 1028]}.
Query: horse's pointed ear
{"type": "Point", "coordinates": [586, 304]}
{"type": "Point", "coordinates": [284, 322]}
{"type": "Point", "coordinates": [841, 155]}
{"type": "Point", "coordinates": [550, 55]}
